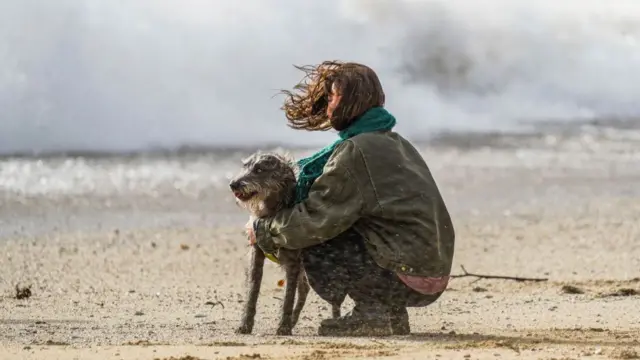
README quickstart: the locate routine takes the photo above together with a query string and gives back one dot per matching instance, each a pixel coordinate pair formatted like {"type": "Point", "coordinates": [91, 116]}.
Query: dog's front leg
{"type": "Point", "coordinates": [286, 319]}
{"type": "Point", "coordinates": [255, 280]}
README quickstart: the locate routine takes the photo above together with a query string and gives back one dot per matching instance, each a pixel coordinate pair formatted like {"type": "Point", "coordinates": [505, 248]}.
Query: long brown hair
{"type": "Point", "coordinates": [306, 106]}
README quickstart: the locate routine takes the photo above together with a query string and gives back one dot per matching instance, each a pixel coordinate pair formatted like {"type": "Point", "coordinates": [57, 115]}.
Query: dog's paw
{"type": "Point", "coordinates": [283, 330]}
{"type": "Point", "coordinates": [244, 329]}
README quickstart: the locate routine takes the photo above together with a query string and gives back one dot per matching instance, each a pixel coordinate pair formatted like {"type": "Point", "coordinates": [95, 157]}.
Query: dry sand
{"type": "Point", "coordinates": [136, 276]}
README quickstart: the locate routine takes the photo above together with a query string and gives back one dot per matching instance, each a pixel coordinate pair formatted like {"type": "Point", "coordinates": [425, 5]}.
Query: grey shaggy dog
{"type": "Point", "coordinates": [265, 185]}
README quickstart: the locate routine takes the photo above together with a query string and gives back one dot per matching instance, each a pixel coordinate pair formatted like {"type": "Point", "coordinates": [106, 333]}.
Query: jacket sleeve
{"type": "Point", "coordinates": [334, 204]}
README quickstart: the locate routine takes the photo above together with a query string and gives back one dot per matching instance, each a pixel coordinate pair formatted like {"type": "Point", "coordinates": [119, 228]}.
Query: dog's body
{"type": "Point", "coordinates": [266, 185]}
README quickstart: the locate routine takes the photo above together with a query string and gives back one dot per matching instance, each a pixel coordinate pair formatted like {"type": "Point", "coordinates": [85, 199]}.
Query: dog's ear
{"type": "Point", "coordinates": [288, 159]}
{"type": "Point", "coordinates": [286, 156]}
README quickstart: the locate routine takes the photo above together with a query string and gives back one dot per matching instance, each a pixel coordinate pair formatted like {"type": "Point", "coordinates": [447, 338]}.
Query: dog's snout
{"type": "Point", "coordinates": [234, 185]}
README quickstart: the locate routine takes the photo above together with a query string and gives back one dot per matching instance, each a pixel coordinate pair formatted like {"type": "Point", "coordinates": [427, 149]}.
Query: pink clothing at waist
{"type": "Point", "coordinates": [425, 285]}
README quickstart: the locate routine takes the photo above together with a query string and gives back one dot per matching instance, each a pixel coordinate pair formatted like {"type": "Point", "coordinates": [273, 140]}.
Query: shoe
{"type": "Point", "coordinates": [357, 323]}
{"type": "Point", "coordinates": [399, 319]}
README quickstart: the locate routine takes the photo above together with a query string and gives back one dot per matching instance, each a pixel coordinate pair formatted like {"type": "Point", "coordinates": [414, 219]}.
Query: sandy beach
{"type": "Point", "coordinates": [144, 258]}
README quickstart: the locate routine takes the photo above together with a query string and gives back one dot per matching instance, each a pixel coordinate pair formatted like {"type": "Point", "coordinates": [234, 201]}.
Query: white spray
{"type": "Point", "coordinates": [127, 75]}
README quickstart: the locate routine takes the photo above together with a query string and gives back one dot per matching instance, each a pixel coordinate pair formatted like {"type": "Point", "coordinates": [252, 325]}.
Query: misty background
{"type": "Point", "coordinates": [107, 75]}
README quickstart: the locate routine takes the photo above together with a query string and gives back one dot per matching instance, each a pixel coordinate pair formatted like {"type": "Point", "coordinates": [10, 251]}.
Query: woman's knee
{"type": "Point", "coordinates": [329, 281]}
{"type": "Point", "coordinates": [329, 265]}
{"type": "Point", "coordinates": [339, 251]}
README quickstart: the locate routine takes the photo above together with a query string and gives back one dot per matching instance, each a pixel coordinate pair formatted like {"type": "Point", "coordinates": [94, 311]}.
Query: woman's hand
{"type": "Point", "coordinates": [258, 234]}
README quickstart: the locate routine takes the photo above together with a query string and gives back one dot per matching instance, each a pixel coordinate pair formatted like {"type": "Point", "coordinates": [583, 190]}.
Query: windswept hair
{"type": "Point", "coordinates": [306, 106]}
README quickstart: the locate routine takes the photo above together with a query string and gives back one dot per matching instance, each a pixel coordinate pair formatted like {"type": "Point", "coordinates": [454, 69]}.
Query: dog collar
{"type": "Point", "coordinates": [272, 257]}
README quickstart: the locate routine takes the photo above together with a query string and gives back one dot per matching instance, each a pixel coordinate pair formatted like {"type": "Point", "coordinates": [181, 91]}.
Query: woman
{"type": "Point", "coordinates": [369, 217]}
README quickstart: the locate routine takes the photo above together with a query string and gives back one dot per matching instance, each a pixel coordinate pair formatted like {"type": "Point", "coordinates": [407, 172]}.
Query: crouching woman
{"type": "Point", "coordinates": [369, 218]}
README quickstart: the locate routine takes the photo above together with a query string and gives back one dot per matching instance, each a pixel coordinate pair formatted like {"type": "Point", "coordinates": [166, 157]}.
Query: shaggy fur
{"type": "Point", "coordinates": [267, 184]}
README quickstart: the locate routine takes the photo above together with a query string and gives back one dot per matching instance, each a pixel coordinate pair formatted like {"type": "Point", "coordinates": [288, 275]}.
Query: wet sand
{"type": "Point", "coordinates": [156, 272]}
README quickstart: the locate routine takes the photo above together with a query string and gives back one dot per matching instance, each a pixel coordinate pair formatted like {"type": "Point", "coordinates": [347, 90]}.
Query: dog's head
{"type": "Point", "coordinates": [265, 184]}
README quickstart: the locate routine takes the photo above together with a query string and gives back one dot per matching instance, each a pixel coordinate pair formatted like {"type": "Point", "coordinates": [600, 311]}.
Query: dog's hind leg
{"type": "Point", "coordinates": [255, 280]}
{"type": "Point", "coordinates": [336, 304]}
{"type": "Point", "coordinates": [335, 309]}
{"type": "Point", "coordinates": [286, 317]}
{"type": "Point", "coordinates": [303, 291]}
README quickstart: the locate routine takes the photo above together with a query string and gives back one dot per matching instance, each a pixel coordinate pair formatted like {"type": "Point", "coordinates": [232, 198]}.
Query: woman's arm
{"type": "Point", "coordinates": [334, 205]}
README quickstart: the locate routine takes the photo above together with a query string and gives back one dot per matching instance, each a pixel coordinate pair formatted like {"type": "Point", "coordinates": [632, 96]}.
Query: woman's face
{"type": "Point", "coordinates": [334, 100]}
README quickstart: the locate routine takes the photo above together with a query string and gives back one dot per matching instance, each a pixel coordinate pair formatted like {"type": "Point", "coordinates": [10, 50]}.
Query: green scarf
{"type": "Point", "coordinates": [375, 119]}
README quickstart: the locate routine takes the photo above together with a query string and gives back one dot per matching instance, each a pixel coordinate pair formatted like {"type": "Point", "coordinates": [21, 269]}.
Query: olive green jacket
{"type": "Point", "coordinates": [378, 184]}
